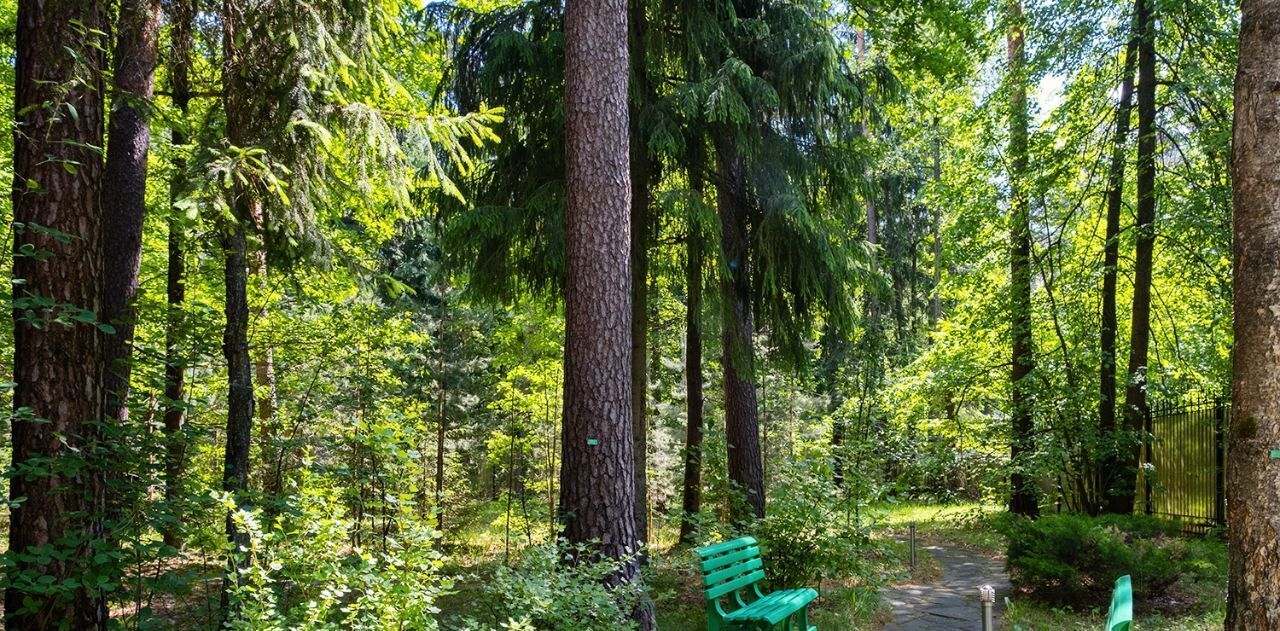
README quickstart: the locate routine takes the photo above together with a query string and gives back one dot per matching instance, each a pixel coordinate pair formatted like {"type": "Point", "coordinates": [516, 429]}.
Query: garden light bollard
{"type": "Point", "coordinates": [988, 594]}
{"type": "Point", "coordinates": [913, 545]}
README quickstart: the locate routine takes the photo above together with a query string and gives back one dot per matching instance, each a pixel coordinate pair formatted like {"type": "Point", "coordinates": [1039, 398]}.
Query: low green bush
{"type": "Point", "coordinates": [1075, 559]}
{"type": "Point", "coordinates": [813, 531]}
{"type": "Point", "coordinates": [541, 592]}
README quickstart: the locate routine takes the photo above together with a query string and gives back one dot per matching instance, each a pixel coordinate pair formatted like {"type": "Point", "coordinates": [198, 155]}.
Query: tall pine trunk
{"type": "Point", "coordinates": [182, 13]}
{"type": "Point", "coordinates": [1124, 490]}
{"type": "Point", "coordinates": [235, 336]}
{"type": "Point", "coordinates": [57, 366]}
{"type": "Point", "coordinates": [124, 189]}
{"type": "Point", "coordinates": [741, 411]}
{"type": "Point", "coordinates": [1022, 494]}
{"type": "Point", "coordinates": [691, 497]}
{"type": "Point", "coordinates": [1107, 428]}
{"type": "Point", "coordinates": [641, 198]}
{"type": "Point", "coordinates": [1253, 495]}
{"type": "Point", "coordinates": [597, 485]}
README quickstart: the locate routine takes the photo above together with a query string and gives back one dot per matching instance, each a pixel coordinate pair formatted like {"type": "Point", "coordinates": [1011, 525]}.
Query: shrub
{"type": "Point", "coordinates": [1075, 559]}
{"type": "Point", "coordinates": [812, 532]}
{"type": "Point", "coordinates": [302, 574]}
{"type": "Point", "coordinates": [541, 592]}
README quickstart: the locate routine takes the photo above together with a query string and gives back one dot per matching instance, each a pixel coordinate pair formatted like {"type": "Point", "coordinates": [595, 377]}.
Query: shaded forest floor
{"type": "Point", "coordinates": [857, 602]}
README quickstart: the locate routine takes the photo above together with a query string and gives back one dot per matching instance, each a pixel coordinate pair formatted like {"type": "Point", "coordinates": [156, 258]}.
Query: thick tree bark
{"type": "Point", "coordinates": [597, 485]}
{"type": "Point", "coordinates": [691, 498]}
{"type": "Point", "coordinates": [1253, 477]}
{"type": "Point", "coordinates": [1109, 463]}
{"type": "Point", "coordinates": [124, 189]}
{"type": "Point", "coordinates": [641, 198]}
{"type": "Point", "coordinates": [235, 337]}
{"type": "Point", "coordinates": [1022, 494]}
{"type": "Point", "coordinates": [1122, 498]}
{"type": "Point", "coordinates": [741, 411]}
{"type": "Point", "coordinates": [182, 13]}
{"type": "Point", "coordinates": [57, 366]}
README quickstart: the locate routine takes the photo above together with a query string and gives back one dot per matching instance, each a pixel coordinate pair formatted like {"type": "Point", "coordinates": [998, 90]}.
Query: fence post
{"type": "Point", "coordinates": [1220, 462]}
{"type": "Point", "coordinates": [1147, 434]}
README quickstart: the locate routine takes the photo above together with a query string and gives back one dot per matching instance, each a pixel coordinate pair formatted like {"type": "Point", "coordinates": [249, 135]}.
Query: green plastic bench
{"type": "Point", "coordinates": [732, 572]}
{"type": "Point", "coordinates": [1121, 618]}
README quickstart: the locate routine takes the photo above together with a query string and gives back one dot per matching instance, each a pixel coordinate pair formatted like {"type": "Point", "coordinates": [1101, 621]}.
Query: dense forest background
{"type": "Point", "coordinates": [827, 205]}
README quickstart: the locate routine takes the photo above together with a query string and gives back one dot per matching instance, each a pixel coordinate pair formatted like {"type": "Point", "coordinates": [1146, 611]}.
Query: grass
{"type": "Point", "coordinates": [1032, 616]}
{"type": "Point", "coordinates": [968, 525]}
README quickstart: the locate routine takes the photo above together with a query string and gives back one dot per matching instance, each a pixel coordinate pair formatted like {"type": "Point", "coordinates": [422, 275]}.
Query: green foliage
{"type": "Point", "coordinates": [545, 591]}
{"type": "Point", "coordinates": [1074, 559]}
{"type": "Point", "coordinates": [813, 531]}
{"type": "Point", "coordinates": [302, 574]}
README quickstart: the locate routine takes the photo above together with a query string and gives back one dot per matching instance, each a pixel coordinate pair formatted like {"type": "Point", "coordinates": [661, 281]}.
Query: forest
{"type": "Point", "coordinates": [504, 314]}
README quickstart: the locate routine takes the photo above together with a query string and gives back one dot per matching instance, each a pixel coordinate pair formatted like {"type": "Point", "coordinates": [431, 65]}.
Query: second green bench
{"type": "Point", "coordinates": [732, 572]}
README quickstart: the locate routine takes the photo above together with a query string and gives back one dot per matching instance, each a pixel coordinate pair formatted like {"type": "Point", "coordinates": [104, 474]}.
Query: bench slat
{"type": "Point", "coordinates": [1121, 605]}
{"type": "Point", "coordinates": [720, 576]}
{"type": "Point", "coordinates": [727, 546]}
{"type": "Point", "coordinates": [715, 563]}
{"type": "Point", "coordinates": [734, 585]}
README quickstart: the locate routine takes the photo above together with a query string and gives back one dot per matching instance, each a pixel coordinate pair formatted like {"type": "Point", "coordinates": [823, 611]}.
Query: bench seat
{"type": "Point", "coordinates": [775, 607]}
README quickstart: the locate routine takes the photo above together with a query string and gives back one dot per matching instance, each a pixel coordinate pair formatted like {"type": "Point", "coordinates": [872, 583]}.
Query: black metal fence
{"type": "Point", "coordinates": [1184, 463]}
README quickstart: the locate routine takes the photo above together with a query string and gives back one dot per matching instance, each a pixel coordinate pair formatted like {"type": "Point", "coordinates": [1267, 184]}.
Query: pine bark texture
{"type": "Point", "coordinates": [1022, 495]}
{"type": "Point", "coordinates": [1135, 395]}
{"type": "Point", "coordinates": [181, 16]}
{"type": "Point", "coordinates": [124, 189]}
{"type": "Point", "coordinates": [741, 409]}
{"type": "Point", "coordinates": [691, 496]}
{"type": "Point", "coordinates": [597, 485]}
{"type": "Point", "coordinates": [57, 367]}
{"type": "Point", "coordinates": [1108, 464]}
{"type": "Point", "coordinates": [1253, 477]}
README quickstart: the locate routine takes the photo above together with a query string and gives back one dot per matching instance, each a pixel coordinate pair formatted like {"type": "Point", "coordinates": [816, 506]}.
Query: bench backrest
{"type": "Point", "coordinates": [731, 571]}
{"type": "Point", "coordinates": [1121, 605]}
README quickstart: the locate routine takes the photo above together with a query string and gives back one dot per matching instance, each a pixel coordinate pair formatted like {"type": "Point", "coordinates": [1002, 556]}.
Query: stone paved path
{"type": "Point", "coordinates": [951, 603]}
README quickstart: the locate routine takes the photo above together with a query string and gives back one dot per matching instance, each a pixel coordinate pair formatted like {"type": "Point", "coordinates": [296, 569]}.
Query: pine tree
{"type": "Point", "coordinates": [55, 524]}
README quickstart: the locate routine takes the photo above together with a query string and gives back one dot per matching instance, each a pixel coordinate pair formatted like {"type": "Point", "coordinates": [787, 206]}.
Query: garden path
{"type": "Point", "coordinates": [950, 603]}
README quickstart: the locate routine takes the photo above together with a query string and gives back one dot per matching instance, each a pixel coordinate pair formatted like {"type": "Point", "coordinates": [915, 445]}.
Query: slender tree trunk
{"type": "Point", "coordinates": [1107, 427]}
{"type": "Point", "coordinates": [641, 198]}
{"type": "Point", "coordinates": [935, 299]}
{"type": "Point", "coordinates": [1135, 394]}
{"type": "Point", "coordinates": [442, 420]}
{"type": "Point", "coordinates": [1022, 494]}
{"type": "Point", "coordinates": [57, 367]}
{"type": "Point", "coordinates": [691, 499]}
{"type": "Point", "coordinates": [597, 485]}
{"type": "Point", "coordinates": [1253, 494]}
{"type": "Point", "coordinates": [741, 411]}
{"type": "Point", "coordinates": [124, 189]}
{"type": "Point", "coordinates": [833, 358]}
{"type": "Point", "coordinates": [264, 367]}
{"type": "Point", "coordinates": [182, 13]}
{"type": "Point", "coordinates": [235, 337]}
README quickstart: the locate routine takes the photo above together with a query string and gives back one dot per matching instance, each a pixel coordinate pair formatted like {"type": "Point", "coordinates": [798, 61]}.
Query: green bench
{"type": "Point", "coordinates": [1121, 618]}
{"type": "Point", "coordinates": [732, 572]}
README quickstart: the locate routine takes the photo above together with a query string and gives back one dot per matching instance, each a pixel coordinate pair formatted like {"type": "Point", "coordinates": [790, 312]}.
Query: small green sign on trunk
{"type": "Point", "coordinates": [1275, 453]}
